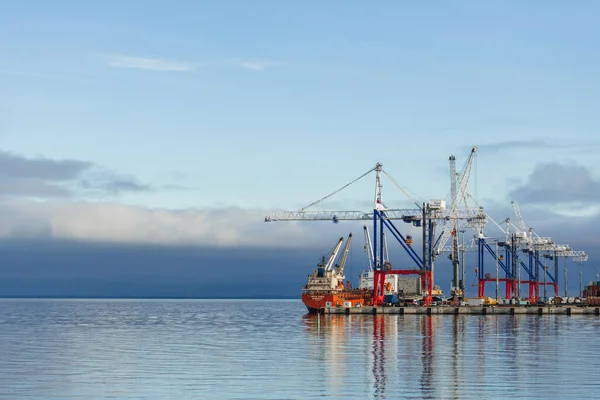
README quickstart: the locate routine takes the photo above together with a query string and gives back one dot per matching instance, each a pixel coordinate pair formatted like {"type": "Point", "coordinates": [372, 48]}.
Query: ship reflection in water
{"type": "Point", "coordinates": [451, 357]}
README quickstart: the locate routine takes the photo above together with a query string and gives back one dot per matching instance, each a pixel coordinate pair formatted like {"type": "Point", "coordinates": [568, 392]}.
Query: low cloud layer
{"type": "Point", "coordinates": [43, 198]}
{"type": "Point", "coordinates": [118, 223]}
{"type": "Point", "coordinates": [48, 178]}
{"type": "Point", "coordinates": [555, 184]}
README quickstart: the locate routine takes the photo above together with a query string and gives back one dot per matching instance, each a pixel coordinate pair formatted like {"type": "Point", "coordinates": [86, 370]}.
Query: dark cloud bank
{"type": "Point", "coordinates": [49, 178]}
{"type": "Point", "coordinates": [49, 268]}
{"type": "Point", "coordinates": [555, 183]}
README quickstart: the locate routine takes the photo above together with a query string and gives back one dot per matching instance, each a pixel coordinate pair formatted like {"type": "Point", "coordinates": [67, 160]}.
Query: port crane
{"type": "Point", "coordinates": [371, 253]}
{"type": "Point", "coordinates": [434, 211]}
{"type": "Point", "coordinates": [534, 245]}
{"type": "Point", "coordinates": [382, 217]}
{"type": "Point", "coordinates": [518, 238]}
{"type": "Point", "coordinates": [474, 220]}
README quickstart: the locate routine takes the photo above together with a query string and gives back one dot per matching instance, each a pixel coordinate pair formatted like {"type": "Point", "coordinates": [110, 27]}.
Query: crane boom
{"type": "Point", "coordinates": [304, 214]}
{"type": "Point", "coordinates": [458, 187]}
{"type": "Point", "coordinates": [334, 255]}
{"type": "Point", "coordinates": [345, 255]}
{"type": "Point", "coordinates": [394, 214]}
{"type": "Point", "coordinates": [521, 225]}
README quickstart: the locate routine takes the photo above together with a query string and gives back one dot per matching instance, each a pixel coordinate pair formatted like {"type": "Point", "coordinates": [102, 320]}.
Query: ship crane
{"type": "Point", "coordinates": [334, 254]}
{"type": "Point", "coordinates": [340, 267]}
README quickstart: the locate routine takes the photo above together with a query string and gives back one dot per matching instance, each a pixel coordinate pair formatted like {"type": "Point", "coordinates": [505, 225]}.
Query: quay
{"type": "Point", "coordinates": [465, 310]}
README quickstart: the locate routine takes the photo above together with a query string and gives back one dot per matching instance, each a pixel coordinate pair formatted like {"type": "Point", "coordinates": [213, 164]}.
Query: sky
{"type": "Point", "coordinates": [165, 124]}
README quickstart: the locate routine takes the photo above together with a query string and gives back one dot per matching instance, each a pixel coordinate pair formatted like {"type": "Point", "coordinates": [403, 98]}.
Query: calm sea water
{"type": "Point", "coordinates": [263, 349]}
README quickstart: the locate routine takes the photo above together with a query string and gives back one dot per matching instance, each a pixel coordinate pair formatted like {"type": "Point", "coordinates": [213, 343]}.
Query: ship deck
{"type": "Point", "coordinates": [476, 310]}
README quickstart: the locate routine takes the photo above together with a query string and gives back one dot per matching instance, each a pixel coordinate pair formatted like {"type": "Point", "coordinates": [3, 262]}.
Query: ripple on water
{"type": "Point", "coordinates": [267, 349]}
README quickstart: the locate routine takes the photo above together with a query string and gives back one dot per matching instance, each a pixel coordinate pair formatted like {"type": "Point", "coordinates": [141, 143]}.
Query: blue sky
{"type": "Point", "coordinates": [186, 122]}
{"type": "Point", "coordinates": [271, 104]}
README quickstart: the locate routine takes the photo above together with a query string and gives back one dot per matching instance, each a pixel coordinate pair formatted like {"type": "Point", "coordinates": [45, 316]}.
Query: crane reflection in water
{"type": "Point", "coordinates": [395, 353]}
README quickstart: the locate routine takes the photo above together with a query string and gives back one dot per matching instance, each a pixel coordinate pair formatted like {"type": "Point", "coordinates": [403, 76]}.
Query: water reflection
{"type": "Point", "coordinates": [427, 356]}
{"type": "Point", "coordinates": [401, 348]}
{"type": "Point", "coordinates": [379, 356]}
{"type": "Point", "coordinates": [458, 331]}
{"type": "Point", "coordinates": [438, 356]}
{"type": "Point", "coordinates": [91, 350]}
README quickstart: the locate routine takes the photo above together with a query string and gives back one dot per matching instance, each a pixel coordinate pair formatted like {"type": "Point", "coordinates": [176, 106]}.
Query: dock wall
{"type": "Point", "coordinates": [475, 310]}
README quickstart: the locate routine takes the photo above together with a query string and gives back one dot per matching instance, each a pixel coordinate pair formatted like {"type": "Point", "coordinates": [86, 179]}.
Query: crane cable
{"type": "Point", "coordinates": [400, 187]}
{"type": "Point", "coordinates": [340, 189]}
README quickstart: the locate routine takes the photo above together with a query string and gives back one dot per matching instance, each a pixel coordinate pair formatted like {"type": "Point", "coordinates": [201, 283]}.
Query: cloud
{"type": "Point", "coordinates": [48, 178]}
{"type": "Point", "coordinates": [516, 144]}
{"type": "Point", "coordinates": [539, 144]}
{"type": "Point", "coordinates": [33, 187]}
{"type": "Point", "coordinates": [256, 65]}
{"type": "Point", "coordinates": [118, 223]}
{"type": "Point", "coordinates": [56, 170]}
{"type": "Point", "coordinates": [151, 64]}
{"type": "Point", "coordinates": [164, 65]}
{"type": "Point", "coordinates": [555, 184]}
{"type": "Point", "coordinates": [114, 185]}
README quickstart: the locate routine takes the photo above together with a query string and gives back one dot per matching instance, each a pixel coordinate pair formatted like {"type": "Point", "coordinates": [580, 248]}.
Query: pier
{"type": "Point", "coordinates": [465, 310]}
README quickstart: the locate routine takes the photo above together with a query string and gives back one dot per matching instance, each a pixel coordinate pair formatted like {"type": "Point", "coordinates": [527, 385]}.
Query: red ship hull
{"type": "Point", "coordinates": [318, 300]}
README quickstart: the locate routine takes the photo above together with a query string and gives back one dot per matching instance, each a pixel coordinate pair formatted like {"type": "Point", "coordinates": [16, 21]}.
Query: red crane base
{"type": "Point", "coordinates": [379, 283]}
{"type": "Point", "coordinates": [511, 287]}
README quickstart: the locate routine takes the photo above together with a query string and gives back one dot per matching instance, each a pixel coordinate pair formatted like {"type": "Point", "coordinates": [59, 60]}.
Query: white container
{"type": "Point", "coordinates": [475, 302]}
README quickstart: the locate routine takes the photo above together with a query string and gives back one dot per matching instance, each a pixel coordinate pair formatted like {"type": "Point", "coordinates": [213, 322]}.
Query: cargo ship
{"type": "Point", "coordinates": [326, 286]}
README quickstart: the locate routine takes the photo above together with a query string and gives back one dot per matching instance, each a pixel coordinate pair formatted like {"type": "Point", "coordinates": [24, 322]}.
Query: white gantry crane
{"type": "Point", "coordinates": [462, 213]}
{"type": "Point", "coordinates": [536, 244]}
